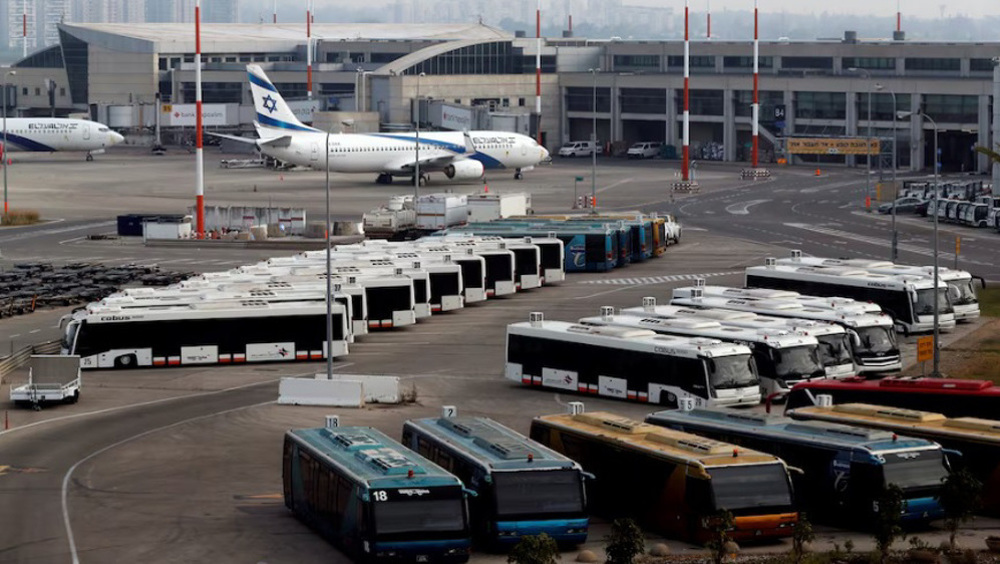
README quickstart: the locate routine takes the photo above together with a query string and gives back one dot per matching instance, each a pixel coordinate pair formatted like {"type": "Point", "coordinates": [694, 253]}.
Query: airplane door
{"type": "Point", "coordinates": [314, 156]}
{"type": "Point", "coordinates": [86, 131]}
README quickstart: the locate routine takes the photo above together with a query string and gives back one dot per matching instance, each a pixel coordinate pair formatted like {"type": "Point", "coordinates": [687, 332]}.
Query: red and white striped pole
{"type": "Point", "coordinates": [274, 12]}
{"type": "Point", "coordinates": [24, 29]}
{"type": "Point", "coordinates": [755, 107]}
{"type": "Point", "coordinates": [899, 17]}
{"type": "Point", "coordinates": [538, 69]}
{"type": "Point", "coordinates": [199, 153]}
{"type": "Point", "coordinates": [708, 20]}
{"type": "Point", "coordinates": [309, 58]}
{"type": "Point", "coordinates": [685, 163]}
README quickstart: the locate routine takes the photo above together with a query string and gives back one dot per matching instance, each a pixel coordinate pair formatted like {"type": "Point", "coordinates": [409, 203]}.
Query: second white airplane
{"type": "Point", "coordinates": [460, 156]}
{"type": "Point", "coordinates": [49, 135]}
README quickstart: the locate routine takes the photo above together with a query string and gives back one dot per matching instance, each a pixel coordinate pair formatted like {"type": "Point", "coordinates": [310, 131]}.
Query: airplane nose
{"type": "Point", "coordinates": [546, 157]}
{"type": "Point", "coordinates": [116, 138]}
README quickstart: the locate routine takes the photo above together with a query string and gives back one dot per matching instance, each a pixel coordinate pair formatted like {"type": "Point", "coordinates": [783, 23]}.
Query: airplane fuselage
{"type": "Point", "coordinates": [57, 134]}
{"type": "Point", "coordinates": [394, 153]}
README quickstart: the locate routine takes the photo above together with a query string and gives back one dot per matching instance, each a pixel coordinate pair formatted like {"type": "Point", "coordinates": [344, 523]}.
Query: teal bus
{"type": "Point", "coordinates": [587, 249]}
{"type": "Point", "coordinates": [523, 487]}
{"type": "Point", "coordinates": [843, 468]}
{"type": "Point", "coordinates": [374, 499]}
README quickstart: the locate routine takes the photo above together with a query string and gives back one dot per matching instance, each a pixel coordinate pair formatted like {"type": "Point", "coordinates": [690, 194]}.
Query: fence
{"type": "Point", "coordinates": [21, 357]}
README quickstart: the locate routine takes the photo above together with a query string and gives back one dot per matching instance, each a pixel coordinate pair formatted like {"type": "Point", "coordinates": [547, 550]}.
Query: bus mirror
{"type": "Point", "coordinates": [588, 476]}
{"type": "Point", "coordinates": [796, 470]}
{"type": "Point", "coordinates": [953, 293]}
{"type": "Point", "coordinates": [470, 493]}
{"type": "Point", "coordinates": [855, 339]}
{"type": "Point", "coordinates": [913, 295]}
{"type": "Point", "coordinates": [952, 452]}
{"type": "Point", "coordinates": [982, 281]}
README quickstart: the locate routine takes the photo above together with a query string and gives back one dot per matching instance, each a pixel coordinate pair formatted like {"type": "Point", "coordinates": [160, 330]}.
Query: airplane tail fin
{"type": "Point", "coordinates": [272, 111]}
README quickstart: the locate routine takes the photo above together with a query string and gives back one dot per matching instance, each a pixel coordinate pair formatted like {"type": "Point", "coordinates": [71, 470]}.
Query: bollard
{"type": "Point", "coordinates": [818, 172]}
{"type": "Point", "coordinates": [6, 420]}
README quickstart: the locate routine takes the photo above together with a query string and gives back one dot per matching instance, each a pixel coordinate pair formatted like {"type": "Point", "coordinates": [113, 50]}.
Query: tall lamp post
{"type": "Point", "coordinates": [936, 372]}
{"type": "Point", "coordinates": [5, 157]}
{"type": "Point", "coordinates": [416, 120]}
{"type": "Point", "coordinates": [329, 273]}
{"type": "Point", "coordinates": [868, 141]}
{"type": "Point", "coordinates": [894, 249]}
{"type": "Point", "coordinates": [593, 149]}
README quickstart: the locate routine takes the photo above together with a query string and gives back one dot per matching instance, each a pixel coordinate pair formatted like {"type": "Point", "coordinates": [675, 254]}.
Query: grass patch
{"type": "Point", "coordinates": [20, 217]}
{"type": "Point", "coordinates": [989, 301]}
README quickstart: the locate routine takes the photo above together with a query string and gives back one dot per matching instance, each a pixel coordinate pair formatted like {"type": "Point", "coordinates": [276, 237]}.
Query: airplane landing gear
{"type": "Point", "coordinates": [384, 179]}
{"type": "Point", "coordinates": [518, 175]}
{"type": "Point", "coordinates": [90, 157]}
{"type": "Point", "coordinates": [424, 179]}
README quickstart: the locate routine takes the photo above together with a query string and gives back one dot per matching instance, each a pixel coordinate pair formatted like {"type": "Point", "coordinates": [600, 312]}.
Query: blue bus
{"type": "Point", "coordinates": [374, 499]}
{"type": "Point", "coordinates": [844, 469]}
{"type": "Point", "coordinates": [587, 249]}
{"type": "Point", "coordinates": [523, 488]}
{"type": "Point", "coordinates": [638, 231]}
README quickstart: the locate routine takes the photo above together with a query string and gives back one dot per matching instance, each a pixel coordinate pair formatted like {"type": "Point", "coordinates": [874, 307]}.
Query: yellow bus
{"type": "Point", "coordinates": [672, 482]}
{"type": "Point", "coordinates": [978, 440]}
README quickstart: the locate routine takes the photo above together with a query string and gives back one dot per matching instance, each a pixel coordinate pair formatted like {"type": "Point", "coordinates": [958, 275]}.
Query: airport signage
{"type": "Point", "coordinates": [456, 118]}
{"type": "Point", "coordinates": [304, 109]}
{"type": "Point", "coordinates": [183, 115]}
{"type": "Point", "coordinates": [832, 146]}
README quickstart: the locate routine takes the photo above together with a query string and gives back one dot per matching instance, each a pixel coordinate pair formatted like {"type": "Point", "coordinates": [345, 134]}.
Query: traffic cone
{"type": "Point", "coordinates": [818, 172]}
{"type": "Point", "coordinates": [486, 188]}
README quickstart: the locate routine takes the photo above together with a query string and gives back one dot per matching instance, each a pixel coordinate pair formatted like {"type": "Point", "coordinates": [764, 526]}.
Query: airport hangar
{"type": "Point", "coordinates": [473, 76]}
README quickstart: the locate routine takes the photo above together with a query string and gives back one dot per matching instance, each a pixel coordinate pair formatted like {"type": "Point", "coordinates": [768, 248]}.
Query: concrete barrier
{"type": "Point", "coordinates": [331, 393]}
{"type": "Point", "coordinates": [377, 389]}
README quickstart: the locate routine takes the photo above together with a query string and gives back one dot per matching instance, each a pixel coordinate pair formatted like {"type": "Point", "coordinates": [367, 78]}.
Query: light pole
{"type": "Point", "coordinates": [894, 249]}
{"type": "Point", "coordinates": [416, 164]}
{"type": "Point", "coordinates": [329, 273]}
{"type": "Point", "coordinates": [593, 148]}
{"type": "Point", "coordinates": [868, 141]}
{"type": "Point", "coordinates": [935, 373]}
{"type": "Point", "coordinates": [5, 157]}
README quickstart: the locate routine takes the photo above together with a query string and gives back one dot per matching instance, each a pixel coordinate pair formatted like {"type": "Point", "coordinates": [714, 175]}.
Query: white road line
{"type": "Point", "coordinates": [880, 242]}
{"type": "Point", "coordinates": [743, 208]}
{"type": "Point", "coordinates": [33, 331]}
{"type": "Point", "coordinates": [610, 186]}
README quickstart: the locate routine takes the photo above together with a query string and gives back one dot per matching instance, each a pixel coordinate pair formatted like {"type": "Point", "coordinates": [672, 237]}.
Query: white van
{"type": "Point", "coordinates": [578, 149]}
{"type": "Point", "coordinates": [644, 150]}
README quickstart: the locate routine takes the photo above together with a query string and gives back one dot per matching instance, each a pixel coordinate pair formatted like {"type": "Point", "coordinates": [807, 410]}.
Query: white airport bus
{"type": "Point", "coordinates": [834, 341]}
{"type": "Point", "coordinates": [874, 345]}
{"type": "Point", "coordinates": [629, 364]}
{"type": "Point", "coordinates": [908, 299]}
{"type": "Point", "coordinates": [552, 251]}
{"type": "Point", "coordinates": [208, 333]}
{"type": "Point", "coordinates": [961, 284]}
{"type": "Point", "coordinates": [783, 359]}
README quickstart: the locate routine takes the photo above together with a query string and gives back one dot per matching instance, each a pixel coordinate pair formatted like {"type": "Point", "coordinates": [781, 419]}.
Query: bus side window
{"type": "Point", "coordinates": [540, 433]}
{"type": "Point", "coordinates": [343, 497]}
{"type": "Point", "coordinates": [444, 460]}
{"type": "Point", "coordinates": [324, 505]}
{"type": "Point", "coordinates": [424, 449]}
{"type": "Point", "coordinates": [407, 438]}
{"type": "Point", "coordinates": [286, 472]}
{"type": "Point", "coordinates": [307, 468]}
{"type": "Point", "coordinates": [699, 496]}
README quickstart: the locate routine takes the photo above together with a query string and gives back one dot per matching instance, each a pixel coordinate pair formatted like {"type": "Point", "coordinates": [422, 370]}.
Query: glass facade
{"type": "Point", "coordinates": [77, 66]}
{"type": "Point", "coordinates": [825, 63]}
{"type": "Point", "coordinates": [496, 57]}
{"type": "Point", "coordinates": [952, 108]}
{"type": "Point", "coordinates": [820, 105]}
{"type": "Point", "coordinates": [703, 102]}
{"type": "Point", "coordinates": [644, 100]}
{"type": "Point", "coordinates": [870, 63]}
{"type": "Point", "coordinates": [700, 62]}
{"type": "Point", "coordinates": [581, 99]}
{"type": "Point", "coordinates": [747, 63]}
{"type": "Point", "coordinates": [50, 58]}
{"type": "Point", "coordinates": [929, 64]}
{"type": "Point", "coordinates": [743, 99]}
{"type": "Point", "coordinates": [629, 62]}
{"type": "Point", "coordinates": [981, 65]}
{"type": "Point", "coordinates": [882, 109]}
{"type": "Point", "coordinates": [214, 92]}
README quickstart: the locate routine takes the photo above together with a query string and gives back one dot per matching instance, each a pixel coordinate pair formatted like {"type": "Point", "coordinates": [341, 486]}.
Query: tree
{"type": "Point", "coordinates": [719, 524]}
{"type": "Point", "coordinates": [802, 533]}
{"type": "Point", "coordinates": [625, 542]}
{"type": "Point", "coordinates": [961, 496]}
{"type": "Point", "coordinates": [541, 549]}
{"type": "Point", "coordinates": [888, 512]}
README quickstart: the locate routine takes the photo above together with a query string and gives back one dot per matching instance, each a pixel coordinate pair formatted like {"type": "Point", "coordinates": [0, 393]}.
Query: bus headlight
{"type": "Point", "coordinates": [454, 551]}
{"type": "Point", "coordinates": [579, 531]}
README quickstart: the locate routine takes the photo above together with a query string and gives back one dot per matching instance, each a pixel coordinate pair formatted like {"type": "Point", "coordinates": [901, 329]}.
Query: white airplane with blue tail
{"type": "Point", "coordinates": [50, 135]}
{"type": "Point", "coordinates": [459, 155]}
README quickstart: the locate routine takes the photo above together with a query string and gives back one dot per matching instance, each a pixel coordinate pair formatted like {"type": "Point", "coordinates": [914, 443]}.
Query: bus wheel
{"type": "Point", "coordinates": [126, 361]}
{"type": "Point", "coordinates": [75, 397]}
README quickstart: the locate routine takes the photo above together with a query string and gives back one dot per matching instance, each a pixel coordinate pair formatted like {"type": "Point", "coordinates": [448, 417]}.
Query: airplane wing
{"type": "Point", "coordinates": [426, 165]}
{"type": "Point", "coordinates": [236, 138]}
{"type": "Point", "coordinates": [280, 141]}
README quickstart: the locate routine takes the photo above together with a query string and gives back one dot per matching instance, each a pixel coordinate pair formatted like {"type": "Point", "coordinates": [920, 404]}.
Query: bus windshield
{"type": "Point", "coordinates": [835, 349]}
{"type": "Point", "coordinates": [69, 335]}
{"type": "Point", "coordinates": [536, 493]}
{"type": "Point", "coordinates": [966, 292]}
{"type": "Point", "coordinates": [876, 339]}
{"type": "Point", "coordinates": [915, 469]}
{"type": "Point", "coordinates": [728, 372]}
{"type": "Point", "coordinates": [750, 486]}
{"type": "Point", "coordinates": [925, 302]}
{"type": "Point", "coordinates": [419, 516]}
{"type": "Point", "coordinates": [796, 362]}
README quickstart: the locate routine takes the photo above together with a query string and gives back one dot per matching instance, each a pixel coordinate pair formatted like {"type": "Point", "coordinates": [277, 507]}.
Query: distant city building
{"type": "Point", "coordinates": [42, 18]}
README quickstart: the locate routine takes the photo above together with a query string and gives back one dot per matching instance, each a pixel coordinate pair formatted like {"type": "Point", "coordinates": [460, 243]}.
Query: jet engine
{"type": "Point", "coordinates": [467, 169]}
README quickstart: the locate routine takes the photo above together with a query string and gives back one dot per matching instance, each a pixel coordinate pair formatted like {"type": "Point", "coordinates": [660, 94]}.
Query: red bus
{"type": "Point", "coordinates": [952, 398]}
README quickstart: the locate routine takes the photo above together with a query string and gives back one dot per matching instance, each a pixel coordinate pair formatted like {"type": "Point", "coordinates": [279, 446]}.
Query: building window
{"type": "Point", "coordinates": [703, 102]}
{"type": "Point", "coordinates": [952, 108]}
{"type": "Point", "coordinates": [697, 62]}
{"type": "Point", "coordinates": [747, 62]}
{"type": "Point", "coordinates": [164, 62]}
{"type": "Point", "coordinates": [870, 63]}
{"type": "Point", "coordinates": [981, 65]}
{"type": "Point", "coordinates": [581, 99]}
{"type": "Point", "coordinates": [644, 100]}
{"type": "Point", "coordinates": [215, 92]}
{"type": "Point", "coordinates": [38, 91]}
{"type": "Point", "coordinates": [62, 90]}
{"type": "Point", "coordinates": [24, 91]}
{"type": "Point", "coordinates": [520, 101]}
{"type": "Point", "coordinates": [928, 64]}
{"type": "Point", "coordinates": [807, 63]}
{"type": "Point", "coordinates": [230, 59]}
{"type": "Point", "coordinates": [636, 61]}
{"type": "Point", "coordinates": [820, 105]}
{"type": "Point", "coordinates": [743, 100]}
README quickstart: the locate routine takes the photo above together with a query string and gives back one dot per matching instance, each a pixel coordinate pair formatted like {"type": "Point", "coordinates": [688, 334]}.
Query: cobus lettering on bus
{"type": "Point", "coordinates": [116, 318]}
{"type": "Point", "coordinates": [665, 350]}
{"type": "Point", "coordinates": [413, 492]}
{"type": "Point", "coordinates": [878, 285]}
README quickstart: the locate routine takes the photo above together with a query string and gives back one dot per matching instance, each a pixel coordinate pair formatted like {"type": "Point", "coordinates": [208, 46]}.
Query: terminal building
{"type": "Point", "coordinates": [368, 77]}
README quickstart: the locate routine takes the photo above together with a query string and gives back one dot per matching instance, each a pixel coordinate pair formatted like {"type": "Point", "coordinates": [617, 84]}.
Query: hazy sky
{"type": "Point", "coordinates": [916, 8]}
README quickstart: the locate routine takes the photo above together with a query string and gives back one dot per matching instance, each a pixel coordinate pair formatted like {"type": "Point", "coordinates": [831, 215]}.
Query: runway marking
{"type": "Point", "coordinates": [877, 241]}
{"type": "Point", "coordinates": [44, 232]}
{"type": "Point", "coordinates": [643, 280]}
{"type": "Point", "coordinates": [610, 186]}
{"type": "Point", "coordinates": [743, 208]}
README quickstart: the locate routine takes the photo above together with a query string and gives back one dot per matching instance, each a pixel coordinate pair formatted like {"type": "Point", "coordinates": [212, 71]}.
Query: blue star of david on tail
{"type": "Point", "coordinates": [270, 104]}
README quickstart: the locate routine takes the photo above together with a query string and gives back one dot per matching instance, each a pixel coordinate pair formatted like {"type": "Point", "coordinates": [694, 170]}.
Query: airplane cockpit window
{"type": "Point", "coordinates": [103, 129]}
